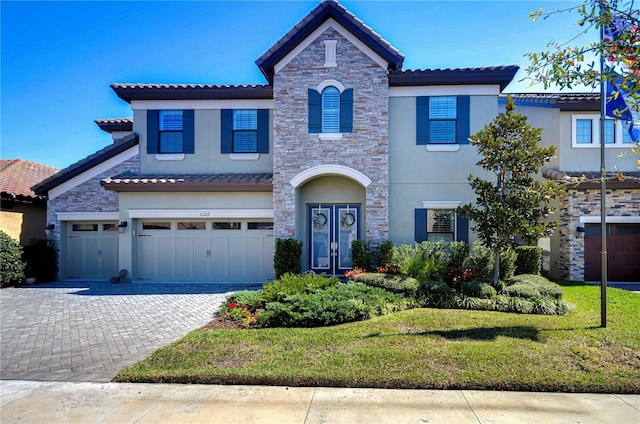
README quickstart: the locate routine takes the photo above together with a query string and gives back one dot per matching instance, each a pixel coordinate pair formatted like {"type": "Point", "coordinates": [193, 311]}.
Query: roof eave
{"type": "Point", "coordinates": [187, 186]}
{"type": "Point", "coordinates": [129, 92]}
{"type": "Point", "coordinates": [486, 76]}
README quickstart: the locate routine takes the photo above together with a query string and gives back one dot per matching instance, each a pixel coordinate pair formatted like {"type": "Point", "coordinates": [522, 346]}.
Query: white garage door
{"type": "Point", "coordinates": [92, 249]}
{"type": "Point", "coordinates": [204, 250]}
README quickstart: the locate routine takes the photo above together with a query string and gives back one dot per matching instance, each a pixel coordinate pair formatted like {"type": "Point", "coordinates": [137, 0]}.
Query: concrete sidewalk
{"type": "Point", "coordinates": [68, 402]}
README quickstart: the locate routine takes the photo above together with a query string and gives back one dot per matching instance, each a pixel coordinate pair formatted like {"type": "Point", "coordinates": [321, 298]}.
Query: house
{"type": "Point", "coordinates": [340, 144]}
{"type": "Point", "coordinates": [23, 212]}
{"type": "Point", "coordinates": [571, 122]}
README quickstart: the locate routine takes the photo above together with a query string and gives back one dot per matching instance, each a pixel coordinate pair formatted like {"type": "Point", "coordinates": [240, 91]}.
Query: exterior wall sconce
{"type": "Point", "coordinates": [580, 231]}
{"type": "Point", "coordinates": [122, 226]}
{"type": "Point", "coordinates": [49, 229]}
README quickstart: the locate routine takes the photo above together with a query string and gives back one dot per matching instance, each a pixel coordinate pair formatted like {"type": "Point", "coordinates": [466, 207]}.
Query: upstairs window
{"type": "Point", "coordinates": [442, 120]}
{"type": "Point", "coordinates": [586, 131]}
{"type": "Point", "coordinates": [244, 131]}
{"type": "Point", "coordinates": [170, 131]}
{"type": "Point", "coordinates": [330, 110]}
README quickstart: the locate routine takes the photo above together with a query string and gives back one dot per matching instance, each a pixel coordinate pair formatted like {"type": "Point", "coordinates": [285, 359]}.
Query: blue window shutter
{"type": "Point", "coordinates": [263, 131]}
{"type": "Point", "coordinates": [152, 131]}
{"type": "Point", "coordinates": [315, 111]}
{"type": "Point", "coordinates": [226, 131]}
{"type": "Point", "coordinates": [462, 226]}
{"type": "Point", "coordinates": [346, 111]}
{"type": "Point", "coordinates": [422, 122]}
{"type": "Point", "coordinates": [188, 135]}
{"type": "Point", "coordinates": [463, 124]}
{"type": "Point", "coordinates": [420, 225]}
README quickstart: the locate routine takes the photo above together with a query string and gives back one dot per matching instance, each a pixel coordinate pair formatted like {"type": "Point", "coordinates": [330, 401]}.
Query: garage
{"type": "Point", "coordinates": [92, 249]}
{"type": "Point", "coordinates": [623, 251]}
{"type": "Point", "coordinates": [224, 250]}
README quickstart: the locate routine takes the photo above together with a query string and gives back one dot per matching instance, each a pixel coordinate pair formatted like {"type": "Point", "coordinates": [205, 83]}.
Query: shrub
{"type": "Point", "coordinates": [251, 298]}
{"type": "Point", "coordinates": [11, 264]}
{"type": "Point", "coordinates": [289, 284]}
{"type": "Point", "coordinates": [481, 259]}
{"type": "Point", "coordinates": [528, 260]}
{"type": "Point", "coordinates": [41, 259]}
{"type": "Point", "coordinates": [402, 284]}
{"type": "Point", "coordinates": [435, 294]}
{"type": "Point", "coordinates": [287, 256]}
{"type": "Point", "coordinates": [507, 263]}
{"type": "Point", "coordinates": [545, 287]}
{"type": "Point", "coordinates": [361, 254]}
{"type": "Point", "coordinates": [479, 289]}
{"type": "Point", "coordinates": [330, 306]}
{"type": "Point", "coordinates": [416, 261]}
{"type": "Point", "coordinates": [458, 254]}
{"type": "Point", "coordinates": [525, 291]}
{"type": "Point", "coordinates": [383, 254]}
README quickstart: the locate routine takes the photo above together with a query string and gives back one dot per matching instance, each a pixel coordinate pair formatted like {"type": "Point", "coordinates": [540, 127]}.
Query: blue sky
{"type": "Point", "coordinates": [59, 57]}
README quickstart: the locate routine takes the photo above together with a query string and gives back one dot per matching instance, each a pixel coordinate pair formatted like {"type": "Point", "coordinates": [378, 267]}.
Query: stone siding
{"type": "Point", "coordinates": [89, 196]}
{"type": "Point", "coordinates": [577, 203]}
{"type": "Point", "coordinates": [366, 149]}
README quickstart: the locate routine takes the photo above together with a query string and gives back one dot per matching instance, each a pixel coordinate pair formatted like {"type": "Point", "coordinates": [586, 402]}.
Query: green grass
{"type": "Point", "coordinates": [423, 348]}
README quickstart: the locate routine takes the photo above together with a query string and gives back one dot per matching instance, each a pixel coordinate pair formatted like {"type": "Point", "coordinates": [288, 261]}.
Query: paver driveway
{"type": "Point", "coordinates": [88, 331]}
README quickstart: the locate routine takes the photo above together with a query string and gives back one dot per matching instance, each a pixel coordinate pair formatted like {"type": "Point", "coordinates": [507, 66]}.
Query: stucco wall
{"type": "Point", "coordinates": [207, 157]}
{"type": "Point", "coordinates": [23, 222]}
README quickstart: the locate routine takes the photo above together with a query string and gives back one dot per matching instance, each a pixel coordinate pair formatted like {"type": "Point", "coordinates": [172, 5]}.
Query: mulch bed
{"type": "Point", "coordinates": [220, 323]}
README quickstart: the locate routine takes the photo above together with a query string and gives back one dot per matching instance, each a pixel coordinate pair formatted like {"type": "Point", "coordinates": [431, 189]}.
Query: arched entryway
{"type": "Point", "coordinates": [330, 214]}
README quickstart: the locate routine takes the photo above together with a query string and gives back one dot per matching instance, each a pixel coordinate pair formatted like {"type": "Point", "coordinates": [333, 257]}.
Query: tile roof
{"type": "Point", "coordinates": [17, 176]}
{"type": "Point", "coordinates": [189, 182]}
{"type": "Point", "coordinates": [591, 179]}
{"type": "Point", "coordinates": [85, 164]}
{"type": "Point", "coordinates": [115, 124]}
{"type": "Point", "coordinates": [501, 75]}
{"type": "Point", "coordinates": [128, 92]}
{"type": "Point", "coordinates": [325, 10]}
{"type": "Point", "coordinates": [562, 101]}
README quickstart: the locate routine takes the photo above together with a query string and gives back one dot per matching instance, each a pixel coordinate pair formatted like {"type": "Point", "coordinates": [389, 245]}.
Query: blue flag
{"type": "Point", "coordinates": [619, 108]}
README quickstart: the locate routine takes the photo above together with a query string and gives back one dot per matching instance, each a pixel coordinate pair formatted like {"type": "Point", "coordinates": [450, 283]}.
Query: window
{"type": "Point", "coordinates": [226, 225]}
{"type": "Point", "coordinates": [260, 226]}
{"type": "Point", "coordinates": [442, 120]}
{"type": "Point", "coordinates": [170, 132]}
{"type": "Point", "coordinates": [586, 131]}
{"type": "Point", "coordinates": [245, 131]}
{"type": "Point", "coordinates": [185, 226]}
{"type": "Point", "coordinates": [149, 225]}
{"type": "Point", "coordinates": [85, 227]}
{"type": "Point", "coordinates": [440, 223]}
{"type": "Point", "coordinates": [331, 109]}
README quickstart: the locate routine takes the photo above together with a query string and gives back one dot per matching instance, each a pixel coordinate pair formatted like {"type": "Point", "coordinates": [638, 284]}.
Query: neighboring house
{"type": "Point", "coordinates": [341, 144]}
{"type": "Point", "coordinates": [23, 214]}
{"type": "Point", "coordinates": [571, 122]}
{"type": "Point", "coordinates": [85, 216]}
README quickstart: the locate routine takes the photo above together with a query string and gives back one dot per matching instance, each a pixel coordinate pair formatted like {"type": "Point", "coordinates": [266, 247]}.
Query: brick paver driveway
{"type": "Point", "coordinates": [88, 331]}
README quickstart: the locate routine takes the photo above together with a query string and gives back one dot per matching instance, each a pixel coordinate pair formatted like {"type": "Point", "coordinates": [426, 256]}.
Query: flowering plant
{"type": "Point", "coordinates": [243, 314]}
{"type": "Point", "coordinates": [352, 273]}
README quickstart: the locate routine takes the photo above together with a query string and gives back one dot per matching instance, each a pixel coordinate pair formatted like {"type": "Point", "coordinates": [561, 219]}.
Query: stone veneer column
{"type": "Point", "coordinates": [366, 149]}
{"type": "Point", "coordinates": [577, 203]}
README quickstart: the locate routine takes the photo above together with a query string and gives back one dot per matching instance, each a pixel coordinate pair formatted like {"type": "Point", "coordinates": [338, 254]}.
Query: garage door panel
{"type": "Point", "coordinates": [623, 248]}
{"type": "Point", "coordinates": [91, 249]}
{"type": "Point", "coordinates": [147, 257]}
{"type": "Point", "coordinates": [236, 257]}
{"type": "Point", "coordinates": [75, 257]}
{"type": "Point", "coordinates": [109, 257]}
{"type": "Point", "coordinates": [166, 258]}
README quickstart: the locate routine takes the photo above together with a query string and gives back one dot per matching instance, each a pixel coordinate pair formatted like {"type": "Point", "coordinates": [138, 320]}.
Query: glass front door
{"type": "Point", "coordinates": [332, 229]}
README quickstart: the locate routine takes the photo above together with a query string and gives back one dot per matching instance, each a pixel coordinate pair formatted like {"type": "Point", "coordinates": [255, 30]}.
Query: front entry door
{"type": "Point", "coordinates": [332, 229]}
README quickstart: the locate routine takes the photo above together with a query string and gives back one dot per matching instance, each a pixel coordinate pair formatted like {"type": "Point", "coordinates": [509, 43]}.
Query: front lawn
{"type": "Point", "coordinates": [423, 348]}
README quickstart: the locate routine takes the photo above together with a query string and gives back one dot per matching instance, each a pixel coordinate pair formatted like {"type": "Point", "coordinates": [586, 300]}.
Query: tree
{"type": "Point", "coordinates": [516, 203]}
{"type": "Point", "coordinates": [566, 65]}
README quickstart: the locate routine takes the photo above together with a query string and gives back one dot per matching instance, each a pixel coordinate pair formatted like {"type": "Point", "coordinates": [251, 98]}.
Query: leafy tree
{"type": "Point", "coordinates": [516, 203]}
{"type": "Point", "coordinates": [566, 65]}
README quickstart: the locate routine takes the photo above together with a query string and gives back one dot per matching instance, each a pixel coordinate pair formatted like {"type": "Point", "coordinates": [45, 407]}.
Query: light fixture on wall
{"type": "Point", "coordinates": [49, 229]}
{"type": "Point", "coordinates": [579, 229]}
{"type": "Point", "coordinates": [122, 226]}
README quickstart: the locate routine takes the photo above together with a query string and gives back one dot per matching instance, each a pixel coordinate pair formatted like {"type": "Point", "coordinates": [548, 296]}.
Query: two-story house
{"type": "Point", "coordinates": [571, 122]}
{"type": "Point", "coordinates": [340, 144]}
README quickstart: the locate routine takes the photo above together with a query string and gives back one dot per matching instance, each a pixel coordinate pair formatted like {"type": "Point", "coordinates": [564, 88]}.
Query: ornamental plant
{"type": "Point", "coordinates": [351, 274]}
{"type": "Point", "coordinates": [243, 314]}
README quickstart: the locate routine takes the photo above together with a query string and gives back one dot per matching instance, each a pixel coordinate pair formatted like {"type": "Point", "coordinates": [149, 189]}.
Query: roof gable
{"type": "Point", "coordinates": [86, 164]}
{"type": "Point", "coordinates": [329, 9]}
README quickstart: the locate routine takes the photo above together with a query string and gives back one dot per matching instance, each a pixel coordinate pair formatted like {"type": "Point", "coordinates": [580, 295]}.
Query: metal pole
{"type": "Point", "coordinates": [603, 190]}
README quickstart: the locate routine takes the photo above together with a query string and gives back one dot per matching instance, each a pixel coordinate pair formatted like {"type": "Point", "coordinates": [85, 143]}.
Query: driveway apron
{"type": "Point", "coordinates": [88, 331]}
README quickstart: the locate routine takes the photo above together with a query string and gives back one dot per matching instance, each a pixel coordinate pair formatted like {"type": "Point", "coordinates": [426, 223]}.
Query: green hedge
{"type": "Point", "coordinates": [289, 284]}
{"type": "Point", "coordinates": [528, 260]}
{"type": "Point", "coordinates": [401, 284]}
{"type": "Point", "coordinates": [11, 264]}
{"type": "Point", "coordinates": [287, 256]}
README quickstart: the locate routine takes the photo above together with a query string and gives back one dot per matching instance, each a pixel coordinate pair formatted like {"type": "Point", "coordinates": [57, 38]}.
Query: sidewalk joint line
{"type": "Point", "coordinates": [470, 407]}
